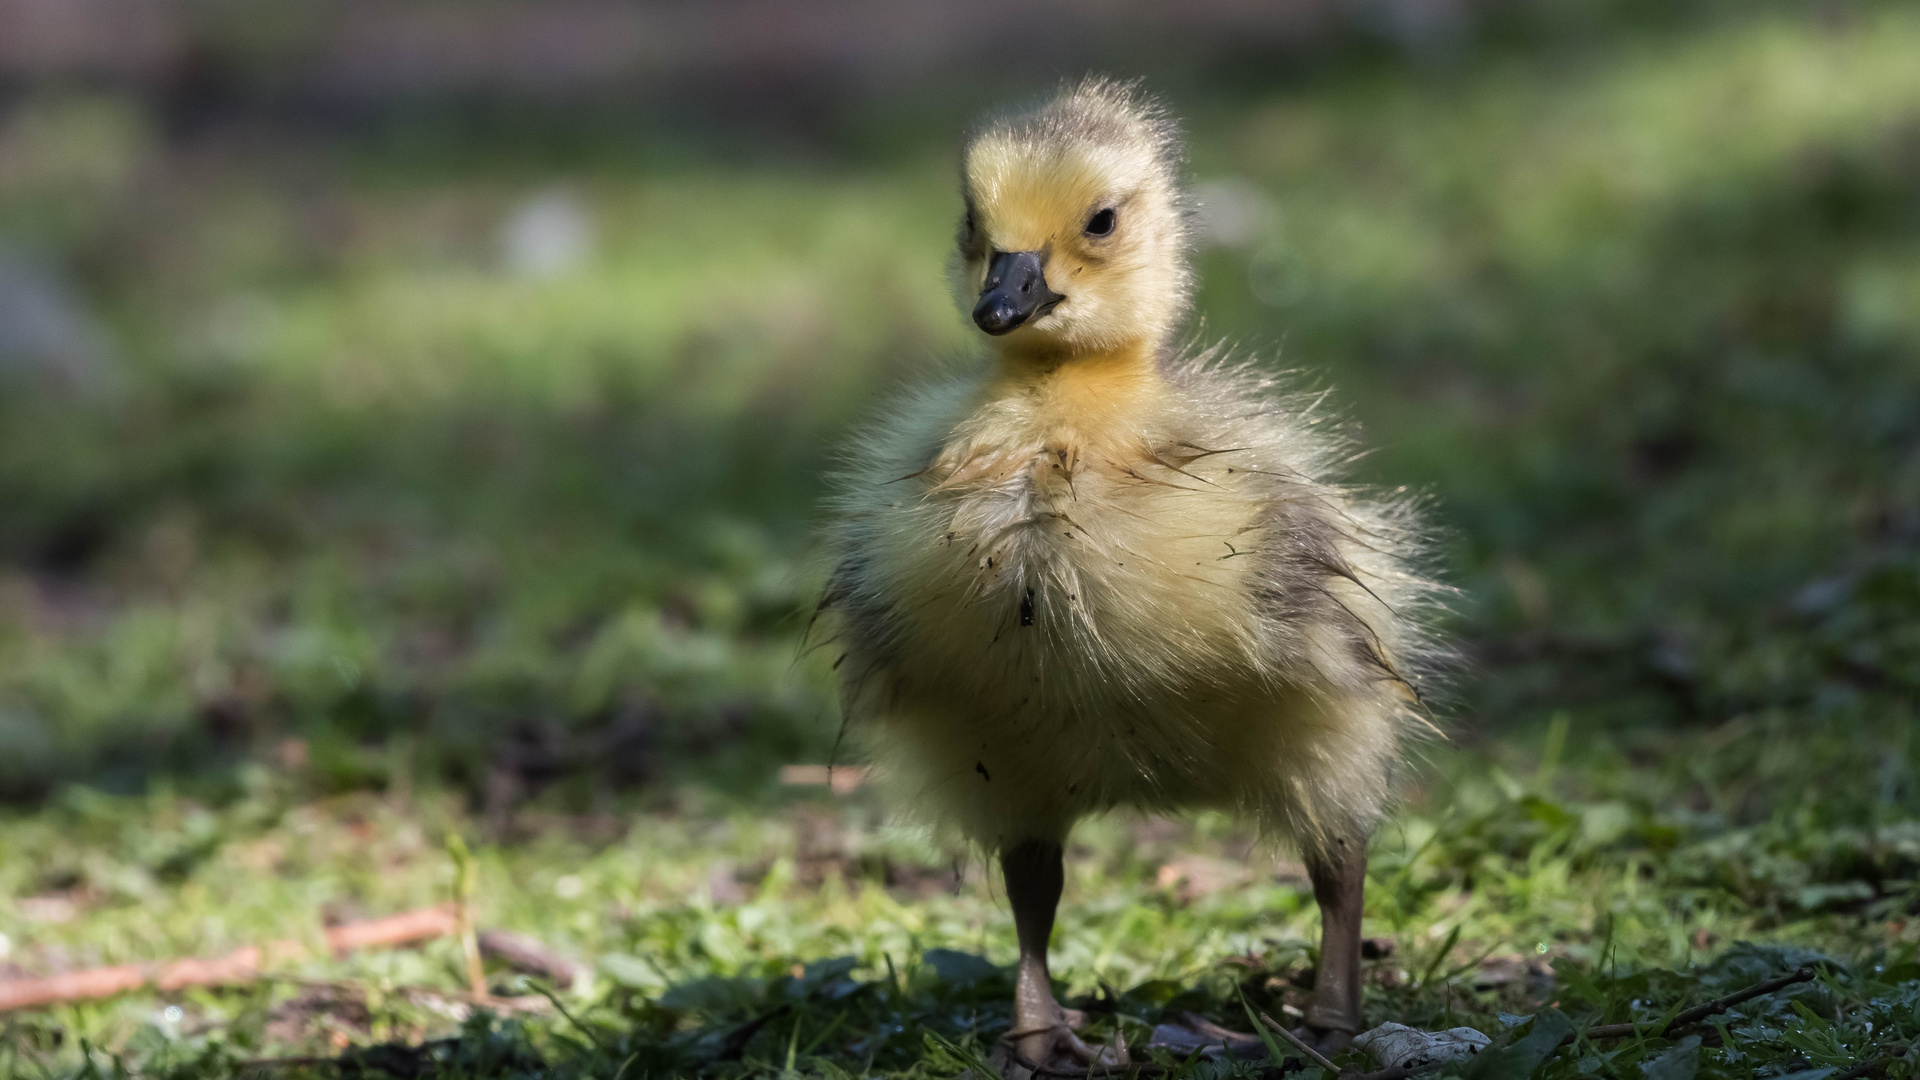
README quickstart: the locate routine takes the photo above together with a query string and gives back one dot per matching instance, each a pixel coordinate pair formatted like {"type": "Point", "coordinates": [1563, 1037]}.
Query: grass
{"type": "Point", "coordinates": [695, 923]}
{"type": "Point", "coordinates": [370, 539]}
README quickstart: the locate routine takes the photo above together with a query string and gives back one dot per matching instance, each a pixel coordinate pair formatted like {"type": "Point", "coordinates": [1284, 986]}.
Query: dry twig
{"type": "Point", "coordinates": [528, 956]}
{"type": "Point", "coordinates": [240, 966]}
{"type": "Point", "coordinates": [1698, 1012]}
{"type": "Point", "coordinates": [249, 963]}
{"type": "Point", "coordinates": [1872, 1064]}
{"type": "Point", "coordinates": [1300, 1044]}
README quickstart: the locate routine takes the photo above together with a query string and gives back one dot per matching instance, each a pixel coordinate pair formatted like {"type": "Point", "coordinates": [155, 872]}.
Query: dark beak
{"type": "Point", "coordinates": [1016, 291]}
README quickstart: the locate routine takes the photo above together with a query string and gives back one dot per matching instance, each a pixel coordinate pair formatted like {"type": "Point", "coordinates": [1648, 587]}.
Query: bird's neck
{"type": "Point", "coordinates": [1090, 391]}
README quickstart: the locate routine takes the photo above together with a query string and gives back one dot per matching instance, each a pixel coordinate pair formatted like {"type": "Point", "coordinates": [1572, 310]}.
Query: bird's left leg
{"type": "Point", "coordinates": [1339, 876]}
{"type": "Point", "coordinates": [1035, 873]}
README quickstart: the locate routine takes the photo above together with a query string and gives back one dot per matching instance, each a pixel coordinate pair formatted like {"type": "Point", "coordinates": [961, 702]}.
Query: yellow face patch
{"type": "Point", "coordinates": [1031, 198]}
{"type": "Point", "coordinates": [1123, 284]}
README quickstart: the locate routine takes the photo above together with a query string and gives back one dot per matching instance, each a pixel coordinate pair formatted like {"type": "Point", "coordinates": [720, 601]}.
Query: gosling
{"type": "Point", "coordinates": [1105, 571]}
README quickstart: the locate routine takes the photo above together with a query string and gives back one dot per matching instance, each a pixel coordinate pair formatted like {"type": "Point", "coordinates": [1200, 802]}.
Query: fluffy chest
{"type": "Point", "coordinates": [1128, 562]}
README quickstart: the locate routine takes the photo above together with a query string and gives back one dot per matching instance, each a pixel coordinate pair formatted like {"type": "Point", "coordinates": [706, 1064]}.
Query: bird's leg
{"type": "Point", "coordinates": [1035, 873]}
{"type": "Point", "coordinates": [1339, 876]}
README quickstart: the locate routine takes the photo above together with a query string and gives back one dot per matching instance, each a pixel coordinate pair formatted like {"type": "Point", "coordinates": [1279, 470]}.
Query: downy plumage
{"type": "Point", "coordinates": [1105, 571]}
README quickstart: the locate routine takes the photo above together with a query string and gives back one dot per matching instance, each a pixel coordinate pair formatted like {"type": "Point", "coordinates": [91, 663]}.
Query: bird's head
{"type": "Point", "coordinates": [1074, 239]}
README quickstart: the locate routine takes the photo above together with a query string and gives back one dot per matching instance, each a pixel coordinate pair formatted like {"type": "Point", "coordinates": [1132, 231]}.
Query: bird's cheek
{"type": "Point", "coordinates": [1088, 302]}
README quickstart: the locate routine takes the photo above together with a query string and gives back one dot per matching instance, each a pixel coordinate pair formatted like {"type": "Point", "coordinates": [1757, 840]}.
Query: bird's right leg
{"type": "Point", "coordinates": [1035, 873]}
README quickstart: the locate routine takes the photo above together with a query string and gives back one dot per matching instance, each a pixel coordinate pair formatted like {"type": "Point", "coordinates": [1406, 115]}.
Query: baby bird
{"type": "Point", "coordinates": [1105, 571]}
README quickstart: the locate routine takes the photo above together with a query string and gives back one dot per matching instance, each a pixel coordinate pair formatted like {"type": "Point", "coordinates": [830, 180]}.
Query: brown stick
{"type": "Point", "coordinates": [73, 986]}
{"type": "Point", "coordinates": [842, 779]}
{"type": "Point", "coordinates": [403, 929]}
{"type": "Point", "coordinates": [528, 956]}
{"type": "Point", "coordinates": [240, 966]}
{"type": "Point", "coordinates": [1300, 1044]}
{"type": "Point", "coordinates": [1698, 1012]}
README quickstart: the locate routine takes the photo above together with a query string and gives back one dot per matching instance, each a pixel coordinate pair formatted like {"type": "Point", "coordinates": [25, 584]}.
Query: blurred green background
{"type": "Point", "coordinates": [437, 398]}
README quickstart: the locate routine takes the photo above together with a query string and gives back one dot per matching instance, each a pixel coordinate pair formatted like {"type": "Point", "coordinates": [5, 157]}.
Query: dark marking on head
{"type": "Point", "coordinates": [969, 240]}
{"type": "Point", "coordinates": [981, 768]}
{"type": "Point", "coordinates": [1026, 608]}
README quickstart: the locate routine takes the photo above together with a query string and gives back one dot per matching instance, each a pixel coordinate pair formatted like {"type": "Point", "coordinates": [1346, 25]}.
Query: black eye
{"type": "Point", "coordinates": [1100, 224]}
